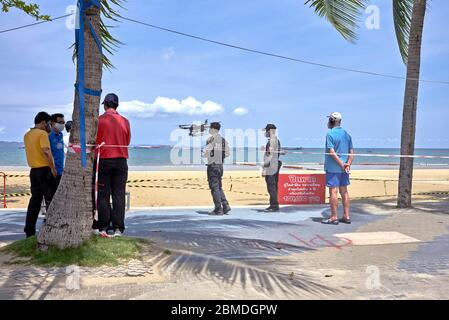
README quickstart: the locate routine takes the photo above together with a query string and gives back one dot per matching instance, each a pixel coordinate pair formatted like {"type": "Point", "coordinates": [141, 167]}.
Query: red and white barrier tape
{"type": "Point", "coordinates": [96, 181]}
{"type": "Point", "coordinates": [371, 155]}
{"type": "Point", "coordinates": [76, 148]}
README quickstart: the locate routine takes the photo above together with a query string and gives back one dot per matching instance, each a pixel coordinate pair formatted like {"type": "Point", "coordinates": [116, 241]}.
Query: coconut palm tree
{"type": "Point", "coordinates": [408, 20]}
{"type": "Point", "coordinates": [69, 217]}
{"type": "Point", "coordinates": [413, 61]}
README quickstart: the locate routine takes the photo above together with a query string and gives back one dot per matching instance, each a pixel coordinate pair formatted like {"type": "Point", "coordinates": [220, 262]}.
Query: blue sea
{"type": "Point", "coordinates": [12, 156]}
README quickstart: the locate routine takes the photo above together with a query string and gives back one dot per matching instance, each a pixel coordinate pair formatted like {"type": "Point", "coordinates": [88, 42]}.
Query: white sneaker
{"type": "Point", "coordinates": [96, 232]}
{"type": "Point", "coordinates": [117, 233]}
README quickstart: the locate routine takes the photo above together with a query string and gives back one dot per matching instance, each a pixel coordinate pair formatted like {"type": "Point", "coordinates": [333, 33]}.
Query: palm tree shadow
{"type": "Point", "coordinates": [32, 284]}
{"type": "Point", "coordinates": [257, 273]}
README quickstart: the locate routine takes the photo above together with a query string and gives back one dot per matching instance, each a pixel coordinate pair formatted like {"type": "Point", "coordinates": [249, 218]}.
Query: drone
{"type": "Point", "coordinates": [195, 129]}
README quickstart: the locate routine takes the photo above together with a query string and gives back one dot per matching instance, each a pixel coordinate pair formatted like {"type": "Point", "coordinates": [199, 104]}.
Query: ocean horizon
{"type": "Point", "coordinates": [141, 158]}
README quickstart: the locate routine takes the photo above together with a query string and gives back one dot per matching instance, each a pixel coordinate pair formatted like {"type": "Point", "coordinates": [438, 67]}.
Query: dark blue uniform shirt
{"type": "Point", "coordinates": [57, 150]}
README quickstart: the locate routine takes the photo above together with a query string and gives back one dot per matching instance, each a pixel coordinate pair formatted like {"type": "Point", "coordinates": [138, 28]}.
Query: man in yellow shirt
{"type": "Point", "coordinates": [43, 171]}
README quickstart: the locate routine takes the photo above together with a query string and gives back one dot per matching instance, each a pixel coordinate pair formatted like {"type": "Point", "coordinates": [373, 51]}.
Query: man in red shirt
{"type": "Point", "coordinates": [114, 131]}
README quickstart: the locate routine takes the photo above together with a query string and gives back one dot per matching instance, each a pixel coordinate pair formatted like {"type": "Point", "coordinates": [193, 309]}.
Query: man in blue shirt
{"type": "Point", "coordinates": [337, 164]}
{"type": "Point", "coordinates": [57, 146]}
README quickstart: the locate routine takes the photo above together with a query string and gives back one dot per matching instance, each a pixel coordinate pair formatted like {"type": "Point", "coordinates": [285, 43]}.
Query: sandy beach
{"type": "Point", "coordinates": [242, 187]}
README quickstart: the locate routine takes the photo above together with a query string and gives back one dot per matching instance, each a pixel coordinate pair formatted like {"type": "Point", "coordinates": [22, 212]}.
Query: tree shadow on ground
{"type": "Point", "coordinates": [261, 274]}
{"type": "Point", "coordinates": [431, 203]}
{"type": "Point", "coordinates": [27, 283]}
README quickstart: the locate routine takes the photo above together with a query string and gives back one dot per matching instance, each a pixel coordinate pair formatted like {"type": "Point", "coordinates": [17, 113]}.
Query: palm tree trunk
{"type": "Point", "coordinates": [69, 218]}
{"type": "Point", "coordinates": [410, 105]}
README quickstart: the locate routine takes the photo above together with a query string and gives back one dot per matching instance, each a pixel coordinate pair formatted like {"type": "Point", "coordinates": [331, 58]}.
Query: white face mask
{"type": "Point", "coordinates": [60, 127]}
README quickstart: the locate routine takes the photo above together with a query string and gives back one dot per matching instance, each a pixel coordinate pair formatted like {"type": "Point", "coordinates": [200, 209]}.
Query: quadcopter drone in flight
{"type": "Point", "coordinates": [195, 129]}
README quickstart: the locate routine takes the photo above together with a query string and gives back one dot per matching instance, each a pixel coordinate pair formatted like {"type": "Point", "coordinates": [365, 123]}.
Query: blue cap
{"type": "Point", "coordinates": [111, 99]}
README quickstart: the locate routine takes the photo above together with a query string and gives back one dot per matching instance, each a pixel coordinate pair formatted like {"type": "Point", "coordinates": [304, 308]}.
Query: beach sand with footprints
{"type": "Point", "coordinates": [242, 187]}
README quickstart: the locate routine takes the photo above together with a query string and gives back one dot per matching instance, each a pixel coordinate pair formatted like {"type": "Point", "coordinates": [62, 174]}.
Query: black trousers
{"type": "Point", "coordinates": [53, 186]}
{"type": "Point", "coordinates": [272, 182]}
{"type": "Point", "coordinates": [214, 177]}
{"type": "Point", "coordinates": [41, 181]}
{"type": "Point", "coordinates": [112, 177]}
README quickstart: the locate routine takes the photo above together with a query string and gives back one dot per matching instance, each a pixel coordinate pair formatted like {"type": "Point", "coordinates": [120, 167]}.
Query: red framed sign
{"type": "Point", "coordinates": [302, 189]}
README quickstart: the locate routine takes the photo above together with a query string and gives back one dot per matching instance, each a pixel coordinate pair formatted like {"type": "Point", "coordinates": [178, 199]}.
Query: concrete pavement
{"type": "Point", "coordinates": [384, 253]}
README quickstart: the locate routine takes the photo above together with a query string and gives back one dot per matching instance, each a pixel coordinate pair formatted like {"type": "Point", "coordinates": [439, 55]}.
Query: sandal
{"type": "Point", "coordinates": [345, 220]}
{"type": "Point", "coordinates": [330, 221]}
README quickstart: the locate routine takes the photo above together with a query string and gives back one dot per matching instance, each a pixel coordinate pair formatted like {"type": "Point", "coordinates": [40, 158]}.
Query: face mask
{"type": "Point", "coordinates": [60, 127]}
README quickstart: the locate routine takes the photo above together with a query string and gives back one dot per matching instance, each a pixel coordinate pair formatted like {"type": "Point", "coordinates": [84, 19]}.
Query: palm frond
{"type": "Point", "coordinates": [344, 15]}
{"type": "Point", "coordinates": [108, 41]}
{"type": "Point", "coordinates": [402, 15]}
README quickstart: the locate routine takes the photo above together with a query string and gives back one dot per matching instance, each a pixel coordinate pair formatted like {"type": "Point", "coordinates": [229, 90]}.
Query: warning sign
{"type": "Point", "coordinates": [302, 188]}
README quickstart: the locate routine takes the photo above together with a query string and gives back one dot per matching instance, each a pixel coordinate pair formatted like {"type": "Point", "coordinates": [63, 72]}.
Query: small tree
{"type": "Point", "coordinates": [30, 9]}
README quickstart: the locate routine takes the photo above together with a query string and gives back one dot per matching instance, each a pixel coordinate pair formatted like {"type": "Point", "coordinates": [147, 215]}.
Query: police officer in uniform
{"type": "Point", "coordinates": [216, 150]}
{"type": "Point", "coordinates": [271, 166]}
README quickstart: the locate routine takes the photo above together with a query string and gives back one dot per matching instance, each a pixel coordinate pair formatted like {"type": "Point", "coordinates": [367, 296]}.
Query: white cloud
{"type": "Point", "coordinates": [160, 106]}
{"type": "Point", "coordinates": [65, 109]}
{"type": "Point", "coordinates": [169, 54]}
{"type": "Point", "coordinates": [2, 130]}
{"type": "Point", "coordinates": [240, 111]}
{"type": "Point", "coordinates": [163, 105]}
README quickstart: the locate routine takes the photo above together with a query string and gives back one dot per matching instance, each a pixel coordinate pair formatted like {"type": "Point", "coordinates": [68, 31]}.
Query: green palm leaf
{"type": "Point", "coordinates": [402, 15]}
{"type": "Point", "coordinates": [109, 42]}
{"type": "Point", "coordinates": [342, 14]}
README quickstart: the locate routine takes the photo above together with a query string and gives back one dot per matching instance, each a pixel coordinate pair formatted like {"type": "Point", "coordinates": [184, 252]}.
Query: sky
{"type": "Point", "coordinates": [164, 80]}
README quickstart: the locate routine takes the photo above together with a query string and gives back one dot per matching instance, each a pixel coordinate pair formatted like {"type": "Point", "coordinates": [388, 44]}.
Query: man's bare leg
{"type": "Point", "coordinates": [333, 195]}
{"type": "Point", "coordinates": [346, 202]}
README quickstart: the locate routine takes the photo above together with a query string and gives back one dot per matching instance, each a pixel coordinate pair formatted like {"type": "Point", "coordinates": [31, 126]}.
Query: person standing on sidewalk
{"type": "Point", "coordinates": [113, 130]}
{"type": "Point", "coordinates": [337, 164]}
{"type": "Point", "coordinates": [217, 149]}
{"type": "Point", "coordinates": [68, 127]}
{"type": "Point", "coordinates": [56, 138]}
{"type": "Point", "coordinates": [43, 171]}
{"type": "Point", "coordinates": [272, 166]}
